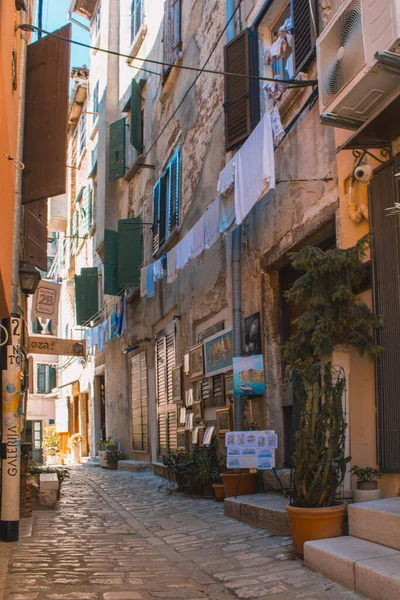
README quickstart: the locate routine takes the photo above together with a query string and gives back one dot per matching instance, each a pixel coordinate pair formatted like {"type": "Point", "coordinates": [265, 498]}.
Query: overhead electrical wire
{"type": "Point", "coordinates": [288, 82]}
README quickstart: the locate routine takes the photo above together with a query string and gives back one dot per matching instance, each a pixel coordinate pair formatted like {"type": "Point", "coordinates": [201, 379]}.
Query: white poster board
{"type": "Point", "coordinates": [251, 449]}
{"type": "Point", "coordinates": [62, 415]}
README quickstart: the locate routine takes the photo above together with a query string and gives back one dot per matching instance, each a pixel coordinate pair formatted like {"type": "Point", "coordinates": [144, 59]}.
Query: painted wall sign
{"type": "Point", "coordinates": [46, 301]}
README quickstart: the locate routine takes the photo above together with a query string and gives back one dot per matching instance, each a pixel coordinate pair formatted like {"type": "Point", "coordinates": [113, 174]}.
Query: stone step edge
{"type": "Point", "coordinates": [273, 519]}
{"type": "Point", "coordinates": [348, 560]}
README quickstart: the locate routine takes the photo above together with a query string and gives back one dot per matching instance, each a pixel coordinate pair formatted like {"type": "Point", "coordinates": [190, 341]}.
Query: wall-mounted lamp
{"type": "Point", "coordinates": [29, 278]}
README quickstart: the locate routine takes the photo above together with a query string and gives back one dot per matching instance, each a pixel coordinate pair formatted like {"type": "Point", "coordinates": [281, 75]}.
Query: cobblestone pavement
{"type": "Point", "coordinates": [126, 536]}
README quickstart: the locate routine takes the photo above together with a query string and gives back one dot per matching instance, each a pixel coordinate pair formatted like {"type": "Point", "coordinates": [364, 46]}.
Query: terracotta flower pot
{"type": "Point", "coordinates": [248, 484]}
{"type": "Point", "coordinates": [219, 491]}
{"type": "Point", "coordinates": [112, 466]}
{"type": "Point", "coordinates": [307, 524]}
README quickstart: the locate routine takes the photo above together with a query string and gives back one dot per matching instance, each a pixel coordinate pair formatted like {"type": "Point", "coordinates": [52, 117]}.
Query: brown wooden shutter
{"type": "Point", "coordinates": [35, 233]}
{"type": "Point", "coordinates": [46, 117]}
{"type": "Point", "coordinates": [242, 95]}
{"type": "Point", "coordinates": [205, 387]}
{"type": "Point", "coordinates": [172, 430]}
{"type": "Point", "coordinates": [161, 370]}
{"type": "Point", "coordinates": [162, 434]}
{"type": "Point", "coordinates": [172, 39]}
{"type": "Point", "coordinates": [384, 191]}
{"type": "Point", "coordinates": [139, 392]}
{"type": "Point", "coordinates": [305, 22]}
{"type": "Point", "coordinates": [171, 356]}
{"type": "Point", "coordinates": [218, 390]}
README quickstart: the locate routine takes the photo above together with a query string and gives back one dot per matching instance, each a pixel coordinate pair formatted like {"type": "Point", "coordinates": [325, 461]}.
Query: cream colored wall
{"type": "Point", "coordinates": [361, 377]}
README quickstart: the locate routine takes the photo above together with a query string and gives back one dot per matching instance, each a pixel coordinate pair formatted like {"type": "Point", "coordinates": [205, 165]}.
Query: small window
{"type": "Point", "coordinates": [95, 102]}
{"type": "Point", "coordinates": [96, 22]}
{"type": "Point", "coordinates": [136, 17]}
{"type": "Point", "coordinates": [172, 36]}
{"type": "Point", "coordinates": [283, 68]}
{"type": "Point", "coordinates": [166, 201]}
{"type": "Point", "coordinates": [46, 378]}
{"type": "Point", "coordinates": [82, 134]}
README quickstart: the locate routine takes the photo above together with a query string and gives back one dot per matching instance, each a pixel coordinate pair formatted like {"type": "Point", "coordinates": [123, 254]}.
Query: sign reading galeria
{"type": "Point", "coordinates": [43, 344]}
{"type": "Point", "coordinates": [46, 301]}
{"type": "Point", "coordinates": [251, 449]}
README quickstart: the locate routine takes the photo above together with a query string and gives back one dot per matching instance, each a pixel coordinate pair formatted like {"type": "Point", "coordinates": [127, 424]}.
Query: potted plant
{"type": "Point", "coordinates": [175, 463]}
{"type": "Point", "coordinates": [333, 315]}
{"type": "Point", "coordinates": [74, 443]}
{"type": "Point", "coordinates": [50, 444]}
{"type": "Point", "coordinates": [206, 470]}
{"type": "Point", "coordinates": [367, 483]}
{"type": "Point", "coordinates": [60, 458]}
{"type": "Point", "coordinates": [102, 447]}
{"type": "Point", "coordinates": [113, 455]}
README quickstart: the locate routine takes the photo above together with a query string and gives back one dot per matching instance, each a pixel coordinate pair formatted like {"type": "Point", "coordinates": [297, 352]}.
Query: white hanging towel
{"type": "Point", "coordinates": [183, 250]}
{"type": "Point", "coordinates": [197, 245]}
{"type": "Point", "coordinates": [158, 270]}
{"type": "Point", "coordinates": [226, 212]}
{"type": "Point", "coordinates": [254, 168]}
{"type": "Point", "coordinates": [171, 265]}
{"type": "Point", "coordinates": [143, 286]}
{"type": "Point", "coordinates": [211, 224]}
{"type": "Point", "coordinates": [226, 177]}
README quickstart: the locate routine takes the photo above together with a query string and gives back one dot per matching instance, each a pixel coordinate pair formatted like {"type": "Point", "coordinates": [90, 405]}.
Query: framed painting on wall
{"type": "Point", "coordinates": [177, 384]}
{"type": "Point", "coordinates": [181, 439]}
{"type": "Point", "coordinates": [198, 410]}
{"type": "Point", "coordinates": [218, 353]}
{"type": "Point", "coordinates": [196, 360]}
{"type": "Point", "coordinates": [224, 420]}
{"type": "Point", "coordinates": [229, 385]}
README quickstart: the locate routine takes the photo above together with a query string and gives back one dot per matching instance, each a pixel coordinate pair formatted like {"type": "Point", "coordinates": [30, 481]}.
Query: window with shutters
{"type": "Point", "coordinates": [82, 134]}
{"type": "Point", "coordinates": [283, 68]}
{"type": "Point", "coordinates": [139, 394]}
{"type": "Point", "coordinates": [97, 22]}
{"type": "Point", "coordinates": [136, 17]}
{"type": "Point", "coordinates": [117, 149]}
{"type": "Point", "coordinates": [95, 107]}
{"type": "Point", "coordinates": [172, 37]}
{"type": "Point", "coordinates": [85, 211]}
{"type": "Point", "coordinates": [122, 255]}
{"type": "Point", "coordinates": [242, 94]}
{"type": "Point", "coordinates": [46, 379]}
{"type": "Point", "coordinates": [166, 202]}
{"type": "Point", "coordinates": [165, 361]}
{"type": "Point", "coordinates": [86, 295]}
{"type": "Point", "coordinates": [305, 26]}
{"type": "Point", "coordinates": [136, 126]}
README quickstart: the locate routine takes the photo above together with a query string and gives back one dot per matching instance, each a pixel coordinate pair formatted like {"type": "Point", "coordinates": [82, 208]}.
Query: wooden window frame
{"type": "Point", "coordinates": [135, 22]}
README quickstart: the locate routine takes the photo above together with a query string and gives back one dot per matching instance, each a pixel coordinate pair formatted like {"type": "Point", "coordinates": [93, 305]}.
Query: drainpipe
{"type": "Point", "coordinates": [11, 375]}
{"type": "Point", "coordinates": [238, 404]}
{"type": "Point", "coordinates": [230, 8]}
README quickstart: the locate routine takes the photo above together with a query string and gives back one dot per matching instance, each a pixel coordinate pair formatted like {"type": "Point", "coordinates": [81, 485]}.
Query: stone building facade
{"type": "Point", "coordinates": [164, 136]}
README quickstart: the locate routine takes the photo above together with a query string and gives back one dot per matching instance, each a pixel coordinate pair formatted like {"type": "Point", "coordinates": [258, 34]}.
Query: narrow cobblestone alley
{"type": "Point", "coordinates": [125, 536]}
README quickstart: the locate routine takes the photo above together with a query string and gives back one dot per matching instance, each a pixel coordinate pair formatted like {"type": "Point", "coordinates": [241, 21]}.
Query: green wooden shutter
{"type": "Point", "coordinates": [111, 262]}
{"type": "Point", "coordinates": [174, 191]}
{"type": "Point", "coordinates": [52, 379]}
{"type": "Point", "coordinates": [136, 117]}
{"type": "Point", "coordinates": [86, 295]}
{"type": "Point", "coordinates": [129, 251]}
{"type": "Point", "coordinates": [117, 149]}
{"type": "Point", "coordinates": [156, 215]}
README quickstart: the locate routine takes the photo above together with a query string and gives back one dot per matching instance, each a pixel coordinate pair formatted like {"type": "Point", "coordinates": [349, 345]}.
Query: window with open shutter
{"type": "Point", "coordinates": [166, 202]}
{"type": "Point", "coordinates": [85, 216]}
{"type": "Point", "coordinates": [117, 149]}
{"type": "Point", "coordinates": [139, 392]}
{"type": "Point", "coordinates": [305, 23]}
{"type": "Point", "coordinates": [212, 391]}
{"type": "Point", "coordinates": [242, 95]}
{"type": "Point", "coordinates": [129, 251]}
{"type": "Point", "coordinates": [111, 262]}
{"type": "Point", "coordinates": [86, 295]}
{"type": "Point", "coordinates": [172, 38]}
{"type": "Point", "coordinates": [136, 117]}
{"type": "Point", "coordinates": [384, 191]}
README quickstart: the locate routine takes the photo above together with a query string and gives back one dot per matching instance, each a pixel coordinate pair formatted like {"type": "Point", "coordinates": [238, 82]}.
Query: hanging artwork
{"type": "Point", "coordinates": [177, 384]}
{"type": "Point", "coordinates": [248, 373]}
{"type": "Point", "coordinates": [198, 411]}
{"type": "Point", "coordinates": [224, 420]}
{"type": "Point", "coordinates": [218, 353]}
{"type": "Point", "coordinates": [196, 361]}
{"type": "Point", "coordinates": [252, 335]}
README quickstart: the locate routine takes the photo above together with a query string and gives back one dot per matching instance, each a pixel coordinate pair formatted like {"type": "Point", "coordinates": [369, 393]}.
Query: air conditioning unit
{"type": "Point", "coordinates": [358, 60]}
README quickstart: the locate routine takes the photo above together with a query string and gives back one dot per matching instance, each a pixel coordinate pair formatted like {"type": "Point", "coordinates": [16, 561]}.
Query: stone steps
{"type": "Point", "coordinates": [134, 466]}
{"type": "Point", "coordinates": [266, 511]}
{"type": "Point", "coordinates": [365, 567]}
{"type": "Point", "coordinates": [377, 521]}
